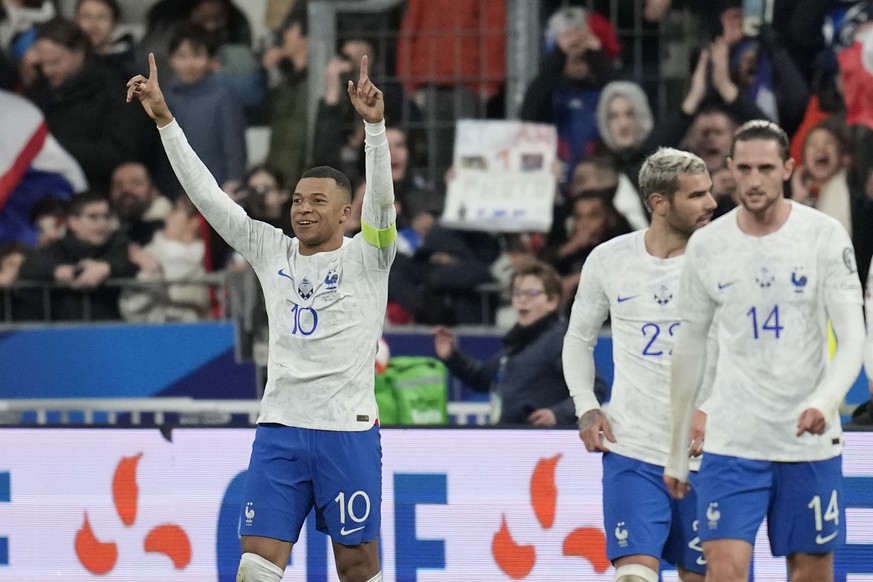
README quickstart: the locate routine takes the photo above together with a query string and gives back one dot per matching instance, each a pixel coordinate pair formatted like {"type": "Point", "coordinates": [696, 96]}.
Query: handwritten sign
{"type": "Point", "coordinates": [503, 177]}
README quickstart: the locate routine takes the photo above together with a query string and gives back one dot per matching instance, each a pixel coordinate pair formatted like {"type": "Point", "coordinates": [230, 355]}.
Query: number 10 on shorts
{"type": "Point", "coordinates": [347, 509]}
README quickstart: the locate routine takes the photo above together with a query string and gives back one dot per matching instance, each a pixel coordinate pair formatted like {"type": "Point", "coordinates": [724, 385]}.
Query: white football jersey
{"type": "Point", "coordinates": [769, 296]}
{"type": "Point", "coordinates": [325, 310]}
{"type": "Point", "coordinates": [620, 278]}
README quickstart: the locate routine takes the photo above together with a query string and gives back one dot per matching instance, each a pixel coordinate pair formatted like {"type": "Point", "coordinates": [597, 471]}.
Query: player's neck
{"type": "Point", "coordinates": [765, 221]}
{"type": "Point", "coordinates": [327, 246]}
{"type": "Point", "coordinates": [664, 242]}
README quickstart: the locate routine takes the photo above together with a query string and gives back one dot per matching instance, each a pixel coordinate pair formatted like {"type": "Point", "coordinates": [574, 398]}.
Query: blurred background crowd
{"type": "Point", "coordinates": [93, 225]}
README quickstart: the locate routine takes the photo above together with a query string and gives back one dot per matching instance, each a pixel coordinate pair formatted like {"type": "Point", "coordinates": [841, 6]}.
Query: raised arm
{"type": "Point", "coordinates": [377, 215]}
{"type": "Point", "coordinates": [228, 218]}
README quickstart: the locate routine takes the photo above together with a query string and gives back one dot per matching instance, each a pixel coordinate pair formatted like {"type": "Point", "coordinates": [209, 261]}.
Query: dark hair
{"type": "Point", "coordinates": [341, 180]}
{"type": "Point", "coordinates": [542, 271]}
{"type": "Point", "coordinates": [763, 130]}
{"type": "Point", "coordinates": [48, 206]}
{"type": "Point", "coordinates": [297, 15]}
{"type": "Point", "coordinates": [80, 201]}
{"type": "Point", "coordinates": [65, 33]}
{"type": "Point", "coordinates": [10, 248]}
{"type": "Point", "coordinates": [837, 130]}
{"type": "Point", "coordinates": [113, 6]}
{"type": "Point", "coordinates": [195, 35]}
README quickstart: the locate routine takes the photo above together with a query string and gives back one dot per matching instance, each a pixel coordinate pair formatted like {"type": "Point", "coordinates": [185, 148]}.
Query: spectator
{"type": "Point", "coordinates": [434, 49]}
{"type": "Point", "coordinates": [49, 218]}
{"type": "Point", "coordinates": [161, 21]}
{"type": "Point", "coordinates": [79, 263]}
{"type": "Point", "coordinates": [175, 255]}
{"type": "Point", "coordinates": [594, 220]}
{"type": "Point", "coordinates": [267, 200]}
{"type": "Point", "coordinates": [437, 285]}
{"type": "Point", "coordinates": [12, 256]}
{"type": "Point", "coordinates": [209, 113]}
{"type": "Point", "coordinates": [99, 19]}
{"type": "Point", "coordinates": [724, 190]}
{"type": "Point", "coordinates": [710, 136]}
{"type": "Point", "coordinates": [137, 203]}
{"type": "Point", "coordinates": [235, 60]}
{"type": "Point", "coordinates": [566, 91]}
{"type": "Point", "coordinates": [33, 166]}
{"type": "Point", "coordinates": [286, 63]}
{"type": "Point", "coordinates": [340, 138]}
{"type": "Point", "coordinates": [525, 378]}
{"type": "Point", "coordinates": [79, 98]}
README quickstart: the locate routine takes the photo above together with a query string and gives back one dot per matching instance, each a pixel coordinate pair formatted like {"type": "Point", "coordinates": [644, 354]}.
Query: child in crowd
{"type": "Point", "coordinates": [174, 254]}
{"type": "Point", "coordinates": [208, 111]}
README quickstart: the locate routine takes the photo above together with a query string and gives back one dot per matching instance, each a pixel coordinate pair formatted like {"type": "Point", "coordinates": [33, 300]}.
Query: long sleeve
{"type": "Point", "coordinates": [477, 375]}
{"type": "Point", "coordinates": [687, 372]}
{"type": "Point", "coordinates": [249, 237]}
{"type": "Point", "coordinates": [847, 320]}
{"type": "Point", "coordinates": [378, 209]}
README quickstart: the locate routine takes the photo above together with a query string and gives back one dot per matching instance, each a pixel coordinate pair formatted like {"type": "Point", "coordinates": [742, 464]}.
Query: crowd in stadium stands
{"type": "Point", "coordinates": [70, 141]}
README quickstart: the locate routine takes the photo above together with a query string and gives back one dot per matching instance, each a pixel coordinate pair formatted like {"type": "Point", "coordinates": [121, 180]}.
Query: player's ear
{"type": "Point", "coordinates": [787, 168]}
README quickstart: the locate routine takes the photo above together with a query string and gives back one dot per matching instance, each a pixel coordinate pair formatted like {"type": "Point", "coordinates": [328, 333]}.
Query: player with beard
{"type": "Point", "coordinates": [634, 279]}
{"type": "Point", "coordinates": [772, 273]}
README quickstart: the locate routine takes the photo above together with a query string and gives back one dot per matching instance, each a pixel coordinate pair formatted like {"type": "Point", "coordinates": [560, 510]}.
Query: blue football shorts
{"type": "Point", "coordinates": [640, 517]}
{"type": "Point", "coordinates": [802, 502]}
{"type": "Point", "coordinates": [292, 470]}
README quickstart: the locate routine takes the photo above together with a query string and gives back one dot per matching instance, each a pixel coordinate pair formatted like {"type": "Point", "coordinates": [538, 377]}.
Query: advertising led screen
{"type": "Point", "coordinates": [469, 505]}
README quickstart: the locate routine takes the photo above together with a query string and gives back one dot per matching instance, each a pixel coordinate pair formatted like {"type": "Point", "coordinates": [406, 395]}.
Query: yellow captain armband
{"type": "Point", "coordinates": [379, 238]}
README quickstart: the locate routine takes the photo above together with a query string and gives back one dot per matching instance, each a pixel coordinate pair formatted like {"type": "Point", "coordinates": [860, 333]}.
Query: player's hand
{"type": "Point", "coordinates": [542, 417]}
{"type": "Point", "coordinates": [812, 421]}
{"type": "Point", "coordinates": [148, 93]}
{"type": "Point", "coordinates": [593, 428]}
{"type": "Point", "coordinates": [677, 489]}
{"type": "Point", "coordinates": [366, 97]}
{"type": "Point", "coordinates": [698, 431]}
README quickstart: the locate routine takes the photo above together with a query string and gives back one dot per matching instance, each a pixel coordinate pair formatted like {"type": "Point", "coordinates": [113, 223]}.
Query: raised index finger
{"type": "Point", "coordinates": [365, 70]}
{"type": "Point", "coordinates": [153, 68]}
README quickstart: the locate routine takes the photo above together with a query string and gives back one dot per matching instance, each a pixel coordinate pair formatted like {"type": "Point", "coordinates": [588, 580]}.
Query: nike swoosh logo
{"type": "Point", "coordinates": [282, 273]}
{"type": "Point", "coordinates": [725, 285]}
{"type": "Point", "coordinates": [823, 540]}
{"type": "Point", "coordinates": [621, 299]}
{"type": "Point", "coordinates": [345, 532]}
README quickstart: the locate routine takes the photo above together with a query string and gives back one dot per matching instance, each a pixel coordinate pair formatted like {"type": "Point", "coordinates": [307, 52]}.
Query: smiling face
{"type": "Point", "coordinates": [91, 224]}
{"type": "Point", "coordinates": [318, 210]}
{"type": "Point", "coordinates": [530, 300]}
{"type": "Point", "coordinates": [821, 155]}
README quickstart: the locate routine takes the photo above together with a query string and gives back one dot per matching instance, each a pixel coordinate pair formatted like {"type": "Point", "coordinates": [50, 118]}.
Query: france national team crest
{"type": "Point", "coordinates": [331, 280]}
{"type": "Point", "coordinates": [663, 295]}
{"type": "Point", "coordinates": [621, 534]}
{"type": "Point", "coordinates": [305, 288]}
{"type": "Point", "coordinates": [798, 279]}
{"type": "Point", "coordinates": [713, 515]}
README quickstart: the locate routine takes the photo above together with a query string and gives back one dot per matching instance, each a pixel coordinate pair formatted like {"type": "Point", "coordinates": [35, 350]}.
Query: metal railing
{"type": "Point", "coordinates": [184, 411]}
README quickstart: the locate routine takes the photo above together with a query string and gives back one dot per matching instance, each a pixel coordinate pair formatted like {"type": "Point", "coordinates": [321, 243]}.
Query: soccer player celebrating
{"type": "Point", "coordinates": [772, 272]}
{"type": "Point", "coordinates": [635, 278]}
{"type": "Point", "coordinates": [317, 441]}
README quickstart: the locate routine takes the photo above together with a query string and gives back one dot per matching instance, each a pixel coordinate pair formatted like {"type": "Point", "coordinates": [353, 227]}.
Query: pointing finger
{"type": "Point", "coordinates": [365, 69]}
{"type": "Point", "coordinates": [153, 68]}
